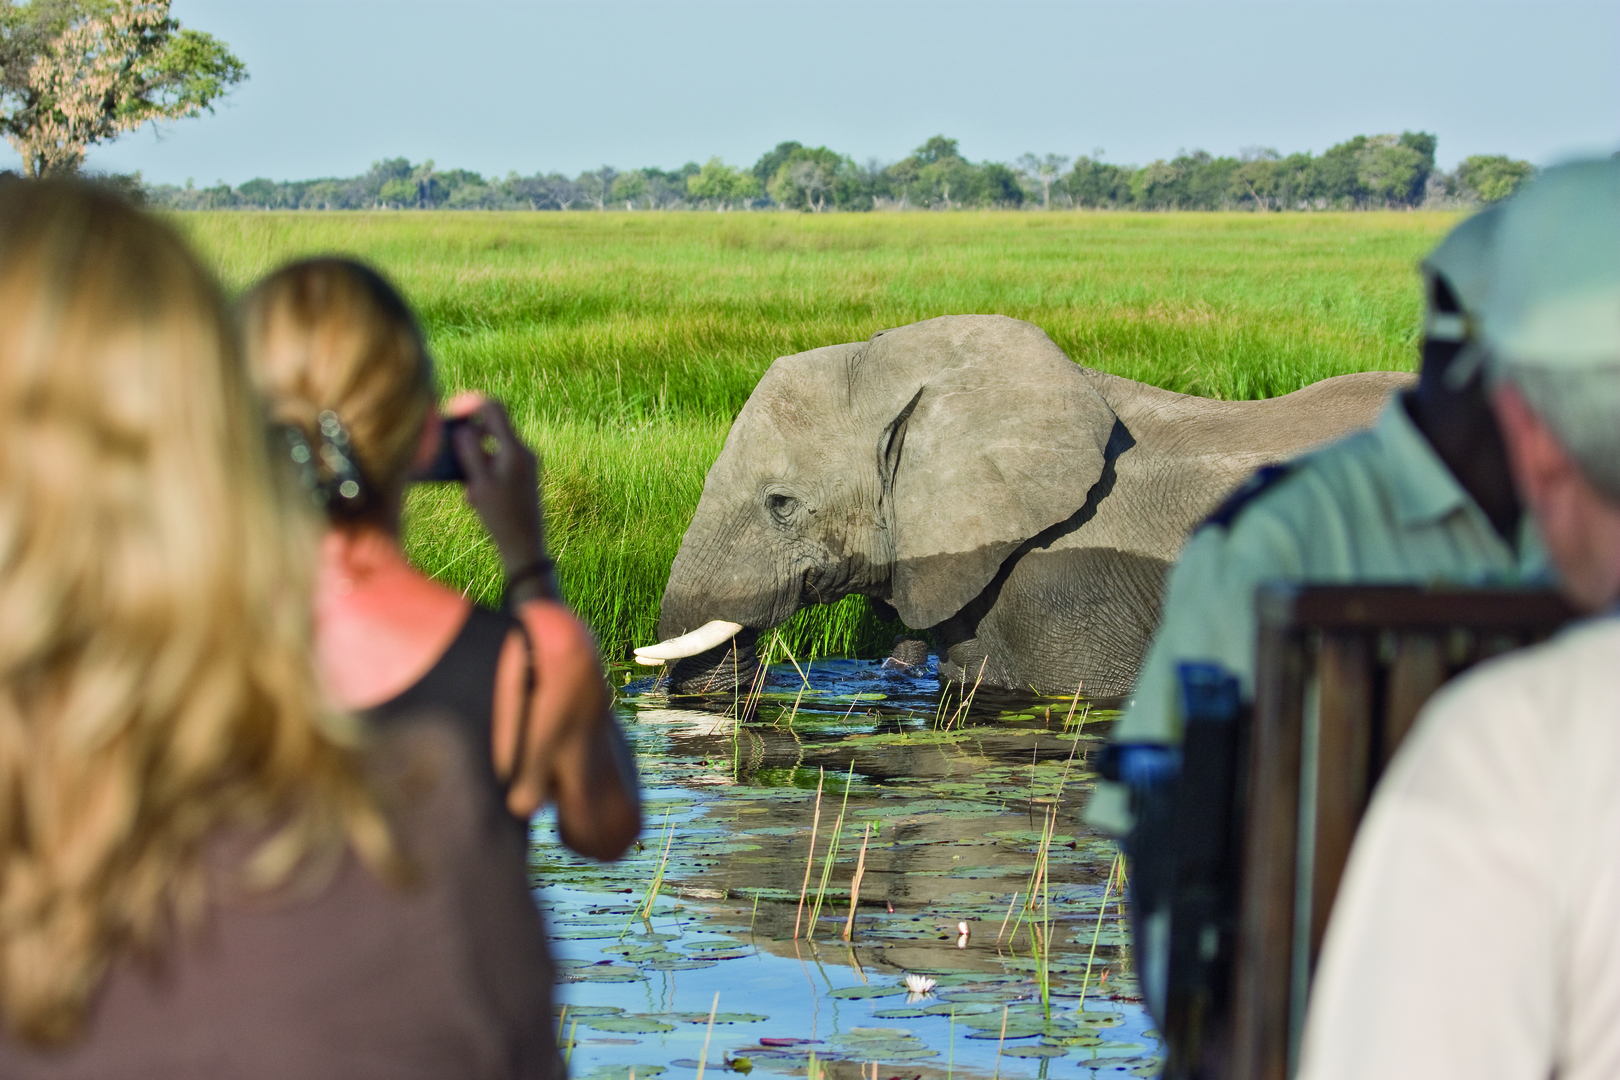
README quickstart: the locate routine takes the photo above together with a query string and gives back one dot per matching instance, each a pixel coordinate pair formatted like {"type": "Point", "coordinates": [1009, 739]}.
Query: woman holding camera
{"type": "Point", "coordinates": [341, 362]}
{"type": "Point", "coordinates": [204, 869]}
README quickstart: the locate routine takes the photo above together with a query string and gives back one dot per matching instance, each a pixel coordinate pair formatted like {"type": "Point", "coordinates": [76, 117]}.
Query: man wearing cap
{"type": "Point", "coordinates": [1424, 496]}
{"type": "Point", "coordinates": [1477, 930]}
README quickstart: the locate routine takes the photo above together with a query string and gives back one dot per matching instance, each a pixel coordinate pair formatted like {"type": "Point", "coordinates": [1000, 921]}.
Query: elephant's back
{"type": "Point", "coordinates": [1235, 437]}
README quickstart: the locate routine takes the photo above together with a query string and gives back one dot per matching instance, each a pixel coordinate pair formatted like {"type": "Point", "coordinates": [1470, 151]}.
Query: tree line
{"type": "Point", "coordinates": [1366, 172]}
{"type": "Point", "coordinates": [75, 73]}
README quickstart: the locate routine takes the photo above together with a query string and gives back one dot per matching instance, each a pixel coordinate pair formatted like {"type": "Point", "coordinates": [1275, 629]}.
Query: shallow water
{"type": "Point", "coordinates": [952, 804]}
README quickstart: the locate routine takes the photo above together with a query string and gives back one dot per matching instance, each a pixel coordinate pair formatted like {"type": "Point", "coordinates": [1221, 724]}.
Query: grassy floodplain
{"type": "Point", "coordinates": [624, 343]}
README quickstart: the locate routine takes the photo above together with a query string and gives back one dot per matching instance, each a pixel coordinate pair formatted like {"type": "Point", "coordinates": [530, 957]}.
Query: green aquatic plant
{"type": "Point", "coordinates": [810, 857]}
{"type": "Point", "coordinates": [1115, 867]}
{"type": "Point", "coordinates": [644, 910]}
{"type": "Point", "coordinates": [855, 882]}
{"type": "Point", "coordinates": [832, 854]}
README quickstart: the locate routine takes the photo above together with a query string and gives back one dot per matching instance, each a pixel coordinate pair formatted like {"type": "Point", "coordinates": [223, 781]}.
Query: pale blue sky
{"type": "Point", "coordinates": [496, 85]}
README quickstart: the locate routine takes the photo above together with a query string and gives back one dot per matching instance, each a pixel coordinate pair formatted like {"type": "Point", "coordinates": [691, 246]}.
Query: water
{"type": "Point", "coordinates": [952, 804]}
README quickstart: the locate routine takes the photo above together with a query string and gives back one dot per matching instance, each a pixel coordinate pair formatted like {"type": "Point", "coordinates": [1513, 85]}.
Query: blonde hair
{"type": "Point", "coordinates": [332, 335]}
{"type": "Point", "coordinates": [156, 682]}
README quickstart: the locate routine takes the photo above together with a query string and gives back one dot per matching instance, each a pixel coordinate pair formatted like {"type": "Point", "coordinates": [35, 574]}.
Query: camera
{"type": "Point", "coordinates": [445, 465]}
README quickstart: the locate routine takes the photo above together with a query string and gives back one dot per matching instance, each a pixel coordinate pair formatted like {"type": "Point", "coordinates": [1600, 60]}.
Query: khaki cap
{"type": "Point", "coordinates": [1554, 296]}
{"type": "Point", "coordinates": [1462, 260]}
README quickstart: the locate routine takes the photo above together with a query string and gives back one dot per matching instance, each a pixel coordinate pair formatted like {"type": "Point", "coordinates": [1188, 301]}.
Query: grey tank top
{"type": "Point", "coordinates": [448, 979]}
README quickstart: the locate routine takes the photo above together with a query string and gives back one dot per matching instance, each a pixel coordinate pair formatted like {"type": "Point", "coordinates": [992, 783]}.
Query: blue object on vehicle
{"type": "Point", "coordinates": [1208, 693]}
{"type": "Point", "coordinates": [1140, 765]}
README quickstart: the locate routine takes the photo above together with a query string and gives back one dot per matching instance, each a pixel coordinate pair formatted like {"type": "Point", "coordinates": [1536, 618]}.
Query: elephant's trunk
{"type": "Point", "coordinates": [727, 667]}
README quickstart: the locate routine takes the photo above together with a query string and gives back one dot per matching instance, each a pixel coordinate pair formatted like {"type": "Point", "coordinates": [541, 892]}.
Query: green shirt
{"type": "Point", "coordinates": [1378, 507]}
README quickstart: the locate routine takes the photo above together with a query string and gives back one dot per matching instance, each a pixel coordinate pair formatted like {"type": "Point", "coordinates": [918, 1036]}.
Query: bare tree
{"type": "Point", "coordinates": [815, 180]}
{"type": "Point", "coordinates": [76, 75]}
{"type": "Point", "coordinates": [1043, 171]}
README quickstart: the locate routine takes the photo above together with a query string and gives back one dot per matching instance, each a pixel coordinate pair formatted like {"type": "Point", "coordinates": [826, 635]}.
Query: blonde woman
{"type": "Point", "coordinates": [341, 362]}
{"type": "Point", "coordinates": [203, 871]}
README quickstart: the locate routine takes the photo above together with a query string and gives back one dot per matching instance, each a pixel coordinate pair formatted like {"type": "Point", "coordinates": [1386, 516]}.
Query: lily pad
{"type": "Point", "coordinates": [604, 973]}
{"type": "Point", "coordinates": [962, 1009]}
{"type": "Point", "coordinates": [858, 992]}
{"type": "Point", "coordinates": [628, 1025]}
{"type": "Point", "coordinates": [1034, 1051]}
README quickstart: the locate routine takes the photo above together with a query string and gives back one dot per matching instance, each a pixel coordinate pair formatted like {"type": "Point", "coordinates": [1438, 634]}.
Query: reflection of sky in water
{"type": "Point", "coordinates": [953, 822]}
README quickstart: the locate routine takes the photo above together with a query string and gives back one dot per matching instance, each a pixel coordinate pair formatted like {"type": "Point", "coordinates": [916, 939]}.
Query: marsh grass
{"type": "Point", "coordinates": [832, 855]}
{"type": "Point", "coordinates": [625, 343]}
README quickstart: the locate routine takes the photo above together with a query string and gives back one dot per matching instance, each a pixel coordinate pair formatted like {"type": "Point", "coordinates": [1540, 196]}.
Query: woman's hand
{"type": "Point", "coordinates": [503, 488]}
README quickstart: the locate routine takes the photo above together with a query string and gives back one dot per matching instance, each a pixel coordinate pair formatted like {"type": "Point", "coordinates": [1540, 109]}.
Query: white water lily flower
{"type": "Point", "coordinates": [920, 984]}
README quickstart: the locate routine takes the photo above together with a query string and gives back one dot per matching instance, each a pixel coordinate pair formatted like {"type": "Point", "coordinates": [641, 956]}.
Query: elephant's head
{"type": "Point", "coordinates": [905, 468]}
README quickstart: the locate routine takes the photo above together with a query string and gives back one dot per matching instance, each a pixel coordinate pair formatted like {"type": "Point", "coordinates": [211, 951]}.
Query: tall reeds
{"type": "Point", "coordinates": [832, 855]}
{"type": "Point", "coordinates": [810, 856]}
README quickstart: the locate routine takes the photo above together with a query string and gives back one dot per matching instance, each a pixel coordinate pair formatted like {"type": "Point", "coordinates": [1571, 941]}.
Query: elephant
{"type": "Point", "coordinates": [964, 471]}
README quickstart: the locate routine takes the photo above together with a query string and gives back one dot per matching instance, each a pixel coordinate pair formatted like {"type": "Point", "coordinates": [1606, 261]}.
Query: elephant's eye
{"type": "Point", "coordinates": [782, 507]}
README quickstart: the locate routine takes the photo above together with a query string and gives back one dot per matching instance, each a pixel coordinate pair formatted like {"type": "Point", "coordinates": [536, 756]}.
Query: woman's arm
{"type": "Point", "coordinates": [569, 750]}
{"type": "Point", "coordinates": [563, 743]}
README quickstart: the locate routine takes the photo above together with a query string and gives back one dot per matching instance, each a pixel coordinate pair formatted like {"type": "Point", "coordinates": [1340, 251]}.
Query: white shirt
{"type": "Point", "coordinates": [1476, 934]}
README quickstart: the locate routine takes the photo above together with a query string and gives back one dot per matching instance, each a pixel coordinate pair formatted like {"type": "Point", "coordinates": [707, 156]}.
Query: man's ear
{"type": "Point", "coordinates": [1540, 465]}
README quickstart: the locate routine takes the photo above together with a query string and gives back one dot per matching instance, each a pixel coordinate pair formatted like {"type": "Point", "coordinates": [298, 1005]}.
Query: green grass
{"type": "Point", "coordinates": [625, 343]}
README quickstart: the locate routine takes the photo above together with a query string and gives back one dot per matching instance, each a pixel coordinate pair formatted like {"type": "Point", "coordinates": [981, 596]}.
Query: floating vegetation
{"type": "Point", "coordinates": [936, 832]}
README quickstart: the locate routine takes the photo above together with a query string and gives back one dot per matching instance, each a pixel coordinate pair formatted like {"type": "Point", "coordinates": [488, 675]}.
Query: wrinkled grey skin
{"type": "Point", "coordinates": [968, 473]}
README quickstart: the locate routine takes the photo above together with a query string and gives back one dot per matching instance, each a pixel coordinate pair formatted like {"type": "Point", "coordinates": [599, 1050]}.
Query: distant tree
{"type": "Point", "coordinates": [1257, 175]}
{"type": "Point", "coordinates": [998, 186]}
{"type": "Point", "coordinates": [1096, 184]}
{"type": "Point", "coordinates": [629, 187]}
{"type": "Point", "coordinates": [936, 149]}
{"type": "Point", "coordinates": [430, 190]}
{"type": "Point", "coordinates": [811, 177]}
{"type": "Point", "coordinates": [1380, 170]}
{"type": "Point", "coordinates": [466, 190]}
{"type": "Point", "coordinates": [542, 192]}
{"type": "Point", "coordinates": [74, 73]}
{"type": "Point", "coordinates": [597, 187]}
{"type": "Point", "coordinates": [261, 192]}
{"type": "Point", "coordinates": [720, 183]}
{"type": "Point", "coordinates": [1395, 169]}
{"type": "Point", "coordinates": [398, 192]}
{"type": "Point", "coordinates": [940, 178]}
{"type": "Point", "coordinates": [766, 168]}
{"type": "Point", "coordinates": [1492, 177]}
{"type": "Point", "coordinates": [902, 180]}
{"type": "Point", "coordinates": [1043, 171]}
{"type": "Point", "coordinates": [669, 188]}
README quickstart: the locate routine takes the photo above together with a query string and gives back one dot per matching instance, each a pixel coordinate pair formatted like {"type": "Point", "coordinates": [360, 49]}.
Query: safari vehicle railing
{"type": "Point", "coordinates": [1341, 673]}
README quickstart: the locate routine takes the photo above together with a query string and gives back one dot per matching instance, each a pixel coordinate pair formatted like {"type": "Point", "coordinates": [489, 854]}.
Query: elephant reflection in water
{"type": "Point", "coordinates": [965, 472]}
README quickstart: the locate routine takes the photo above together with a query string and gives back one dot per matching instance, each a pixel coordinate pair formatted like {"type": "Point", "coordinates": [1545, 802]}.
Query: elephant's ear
{"type": "Point", "coordinates": [1003, 437]}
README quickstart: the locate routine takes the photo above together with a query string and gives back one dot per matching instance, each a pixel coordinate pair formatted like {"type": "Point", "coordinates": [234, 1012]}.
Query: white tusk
{"type": "Point", "coordinates": [702, 639]}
